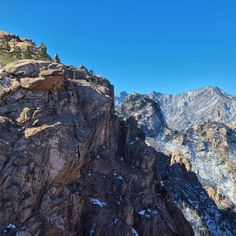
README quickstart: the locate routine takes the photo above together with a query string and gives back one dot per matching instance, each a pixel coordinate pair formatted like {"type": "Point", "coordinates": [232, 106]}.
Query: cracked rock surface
{"type": "Point", "coordinates": [69, 165]}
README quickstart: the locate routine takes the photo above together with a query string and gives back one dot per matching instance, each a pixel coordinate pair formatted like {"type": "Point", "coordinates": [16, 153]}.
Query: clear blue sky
{"type": "Point", "coordinates": [139, 45]}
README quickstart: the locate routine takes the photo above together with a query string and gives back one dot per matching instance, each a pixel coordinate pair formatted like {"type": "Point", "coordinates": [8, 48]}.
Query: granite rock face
{"type": "Point", "coordinates": [69, 165]}
{"type": "Point", "coordinates": [197, 165]}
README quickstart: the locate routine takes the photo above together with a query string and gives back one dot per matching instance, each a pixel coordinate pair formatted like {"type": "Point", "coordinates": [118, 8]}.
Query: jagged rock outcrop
{"type": "Point", "coordinates": [152, 121]}
{"type": "Point", "coordinates": [197, 165]}
{"type": "Point", "coordinates": [69, 165]}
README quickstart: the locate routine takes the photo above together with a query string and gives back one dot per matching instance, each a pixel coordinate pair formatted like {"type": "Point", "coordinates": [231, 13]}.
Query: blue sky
{"type": "Point", "coordinates": [153, 45]}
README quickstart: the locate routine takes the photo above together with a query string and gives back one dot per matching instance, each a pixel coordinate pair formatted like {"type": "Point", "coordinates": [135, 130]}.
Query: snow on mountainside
{"type": "Point", "coordinates": [209, 152]}
{"type": "Point", "coordinates": [197, 137]}
{"type": "Point", "coordinates": [197, 106]}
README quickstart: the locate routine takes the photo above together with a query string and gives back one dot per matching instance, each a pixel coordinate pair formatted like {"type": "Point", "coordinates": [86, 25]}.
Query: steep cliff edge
{"type": "Point", "coordinates": [69, 165]}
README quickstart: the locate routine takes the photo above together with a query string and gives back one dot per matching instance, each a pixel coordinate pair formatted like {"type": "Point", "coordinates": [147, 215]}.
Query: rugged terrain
{"type": "Point", "coordinates": [68, 164]}
{"type": "Point", "coordinates": [193, 107]}
{"type": "Point", "coordinates": [198, 166]}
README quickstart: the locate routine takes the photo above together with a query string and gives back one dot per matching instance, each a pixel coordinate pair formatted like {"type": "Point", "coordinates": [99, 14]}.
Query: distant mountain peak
{"type": "Point", "coordinates": [195, 106]}
{"type": "Point", "coordinates": [208, 88]}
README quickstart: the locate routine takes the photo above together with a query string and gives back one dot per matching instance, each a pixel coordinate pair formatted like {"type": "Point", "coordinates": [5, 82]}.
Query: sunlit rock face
{"type": "Point", "coordinates": [198, 165]}
{"type": "Point", "coordinates": [69, 165]}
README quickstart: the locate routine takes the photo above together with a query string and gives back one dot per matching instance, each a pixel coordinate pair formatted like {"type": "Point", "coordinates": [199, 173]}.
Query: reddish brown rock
{"type": "Point", "coordinates": [69, 166]}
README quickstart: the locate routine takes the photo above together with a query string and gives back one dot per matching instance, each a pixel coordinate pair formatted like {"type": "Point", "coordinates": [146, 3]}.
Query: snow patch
{"type": "Point", "coordinates": [120, 178]}
{"type": "Point", "coordinates": [11, 226]}
{"type": "Point", "coordinates": [92, 230]}
{"type": "Point", "coordinates": [121, 158]}
{"type": "Point", "coordinates": [148, 213]}
{"type": "Point", "coordinates": [134, 232]}
{"type": "Point", "coordinates": [115, 221]}
{"type": "Point", "coordinates": [95, 201]}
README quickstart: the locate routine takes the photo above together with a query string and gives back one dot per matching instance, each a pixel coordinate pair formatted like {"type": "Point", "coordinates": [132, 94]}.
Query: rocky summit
{"type": "Point", "coordinates": [195, 135]}
{"type": "Point", "coordinates": [68, 164]}
{"type": "Point", "coordinates": [13, 48]}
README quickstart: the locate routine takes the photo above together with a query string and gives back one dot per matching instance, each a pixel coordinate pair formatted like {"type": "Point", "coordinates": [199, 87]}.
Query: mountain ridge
{"type": "Point", "coordinates": [199, 105]}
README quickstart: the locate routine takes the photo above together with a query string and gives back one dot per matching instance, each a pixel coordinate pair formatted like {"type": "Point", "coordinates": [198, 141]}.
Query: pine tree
{"type": "Point", "coordinates": [42, 52]}
{"type": "Point", "coordinates": [57, 59]}
{"type": "Point", "coordinates": [27, 53]}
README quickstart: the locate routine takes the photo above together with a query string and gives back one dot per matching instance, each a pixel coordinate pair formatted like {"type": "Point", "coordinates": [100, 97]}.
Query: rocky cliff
{"type": "Point", "coordinates": [198, 163]}
{"type": "Point", "coordinates": [69, 165]}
